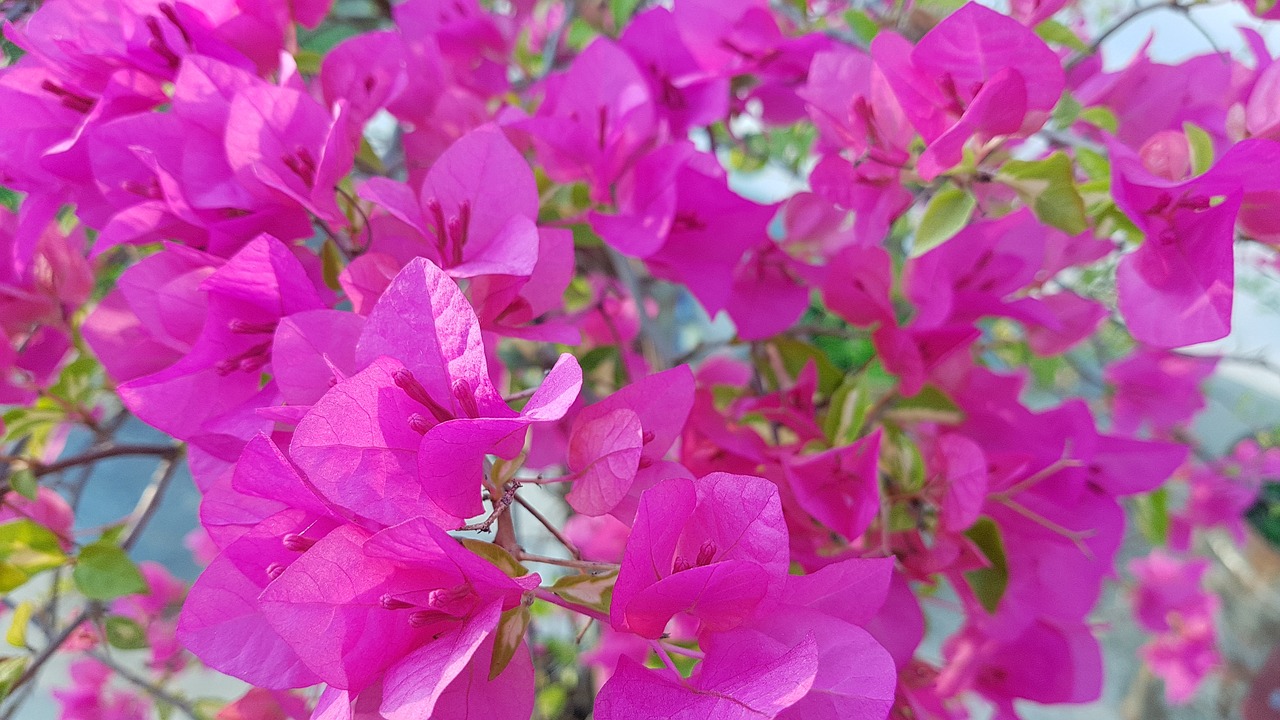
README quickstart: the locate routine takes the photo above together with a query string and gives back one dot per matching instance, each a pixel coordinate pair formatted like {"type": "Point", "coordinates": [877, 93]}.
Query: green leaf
{"type": "Point", "coordinates": [862, 25]}
{"type": "Point", "coordinates": [901, 459]}
{"type": "Point", "coordinates": [506, 641]}
{"type": "Point", "coordinates": [847, 411]}
{"type": "Point", "coordinates": [25, 550]}
{"type": "Point", "coordinates": [597, 357]}
{"type": "Point", "coordinates": [125, 634]}
{"type": "Point", "coordinates": [580, 34]}
{"type": "Point", "coordinates": [17, 635]}
{"type": "Point", "coordinates": [105, 572]}
{"type": "Point", "coordinates": [988, 583]}
{"type": "Point", "coordinates": [11, 668]}
{"type": "Point", "coordinates": [1153, 516]}
{"type": "Point", "coordinates": [496, 555]}
{"type": "Point", "coordinates": [24, 483]}
{"type": "Point", "coordinates": [331, 264]}
{"type": "Point", "coordinates": [1094, 164]}
{"type": "Point", "coordinates": [946, 214]}
{"type": "Point", "coordinates": [368, 157]}
{"type": "Point", "coordinates": [77, 383]}
{"type": "Point", "coordinates": [1201, 147]}
{"type": "Point", "coordinates": [10, 199]}
{"type": "Point", "coordinates": [584, 236]}
{"type": "Point", "coordinates": [1049, 187]}
{"type": "Point", "coordinates": [928, 405]}
{"type": "Point", "coordinates": [621, 10]}
{"type": "Point", "coordinates": [796, 354]}
{"type": "Point", "coordinates": [592, 591]}
{"type": "Point", "coordinates": [324, 38]}
{"type": "Point", "coordinates": [1100, 117]}
{"type": "Point", "coordinates": [1052, 31]}
{"type": "Point", "coordinates": [34, 423]}
{"type": "Point", "coordinates": [113, 534]}
{"type": "Point", "coordinates": [1264, 516]}
{"type": "Point", "coordinates": [1066, 111]}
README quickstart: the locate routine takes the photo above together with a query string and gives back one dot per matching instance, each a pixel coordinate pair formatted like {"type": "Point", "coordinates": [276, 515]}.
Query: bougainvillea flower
{"type": "Point", "coordinates": [646, 200]}
{"type": "Point", "coordinates": [713, 548]}
{"type": "Point", "coordinates": [713, 228]}
{"type": "Point", "coordinates": [976, 73]}
{"type": "Point", "coordinates": [89, 697]}
{"type": "Point", "coordinates": [283, 139]}
{"type": "Point", "coordinates": [626, 434]}
{"type": "Point", "coordinates": [597, 119]}
{"type": "Point", "coordinates": [1045, 663]}
{"type": "Point", "coordinates": [435, 412]}
{"type": "Point", "coordinates": [839, 487]}
{"type": "Point", "coordinates": [853, 107]}
{"type": "Point", "coordinates": [745, 675]}
{"type": "Point", "coordinates": [264, 519]}
{"type": "Point", "coordinates": [476, 211]}
{"type": "Point", "coordinates": [410, 602]}
{"type": "Point", "coordinates": [246, 298]}
{"type": "Point", "coordinates": [525, 306]}
{"type": "Point", "coordinates": [686, 94]}
{"type": "Point", "coordinates": [1185, 268]}
{"type": "Point", "coordinates": [1158, 389]}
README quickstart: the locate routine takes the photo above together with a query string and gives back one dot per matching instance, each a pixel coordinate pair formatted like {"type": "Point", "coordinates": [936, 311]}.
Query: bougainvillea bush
{"type": "Point", "coordinates": [508, 392]}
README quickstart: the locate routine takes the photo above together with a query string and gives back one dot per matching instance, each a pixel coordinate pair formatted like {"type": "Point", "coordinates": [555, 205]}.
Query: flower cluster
{"type": "Point", "coordinates": [417, 297]}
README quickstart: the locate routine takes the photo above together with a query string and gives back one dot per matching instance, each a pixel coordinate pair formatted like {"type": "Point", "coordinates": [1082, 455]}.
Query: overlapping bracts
{"type": "Point", "coordinates": [371, 339]}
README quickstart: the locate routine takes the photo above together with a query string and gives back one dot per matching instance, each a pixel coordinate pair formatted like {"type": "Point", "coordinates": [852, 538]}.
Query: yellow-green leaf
{"type": "Point", "coordinates": [1049, 187]}
{"type": "Point", "coordinates": [25, 550]}
{"type": "Point", "coordinates": [1099, 116]}
{"type": "Point", "coordinates": [946, 214]}
{"type": "Point", "coordinates": [1201, 147]}
{"type": "Point", "coordinates": [105, 572]}
{"type": "Point", "coordinates": [24, 483]}
{"type": "Point", "coordinates": [593, 591]}
{"type": "Point", "coordinates": [11, 668]}
{"type": "Point", "coordinates": [125, 634]}
{"type": "Point", "coordinates": [496, 555]}
{"type": "Point", "coordinates": [507, 639]}
{"type": "Point", "coordinates": [331, 264]}
{"type": "Point", "coordinates": [17, 635]}
{"type": "Point", "coordinates": [862, 25]}
{"type": "Point", "coordinates": [928, 405]}
{"type": "Point", "coordinates": [1152, 516]}
{"type": "Point", "coordinates": [1052, 31]}
{"type": "Point", "coordinates": [988, 583]}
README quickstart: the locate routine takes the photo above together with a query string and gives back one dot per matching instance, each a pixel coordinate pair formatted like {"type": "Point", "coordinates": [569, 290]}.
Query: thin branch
{"type": "Point", "coordinates": [152, 689]}
{"type": "Point", "coordinates": [548, 596]}
{"type": "Point", "coordinates": [54, 645]}
{"type": "Point", "coordinates": [560, 562]}
{"type": "Point", "coordinates": [1115, 27]}
{"type": "Point", "coordinates": [500, 507]}
{"type": "Point", "coordinates": [551, 46]}
{"type": "Point", "coordinates": [550, 526]}
{"type": "Point", "coordinates": [520, 395]}
{"type": "Point", "coordinates": [39, 469]}
{"type": "Point", "coordinates": [649, 337]}
{"type": "Point", "coordinates": [149, 501]}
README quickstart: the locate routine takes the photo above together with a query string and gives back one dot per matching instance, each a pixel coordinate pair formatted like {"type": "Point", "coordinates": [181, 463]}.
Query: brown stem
{"type": "Point", "coordinates": [152, 689]}
{"type": "Point", "coordinates": [500, 507]}
{"type": "Point", "coordinates": [40, 469]}
{"type": "Point", "coordinates": [551, 528]}
{"type": "Point", "coordinates": [149, 501]}
{"type": "Point", "coordinates": [561, 562]}
{"type": "Point", "coordinates": [45, 655]}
